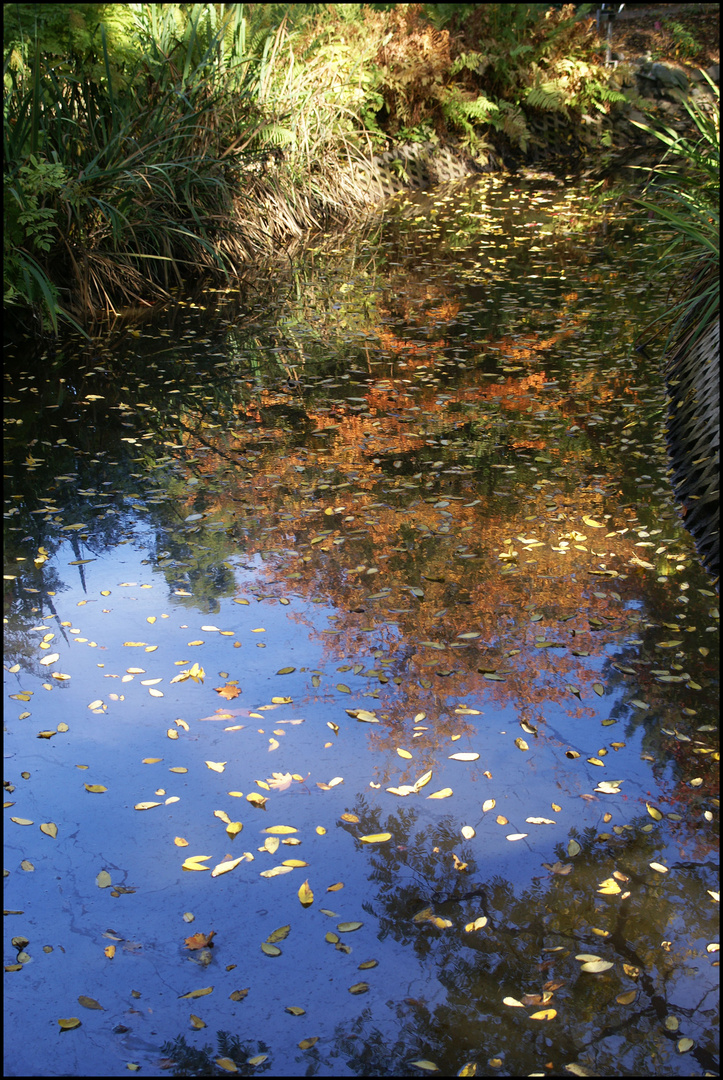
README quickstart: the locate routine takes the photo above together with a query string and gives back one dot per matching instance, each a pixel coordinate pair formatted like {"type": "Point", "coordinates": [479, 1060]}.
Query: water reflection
{"type": "Point", "coordinates": [417, 508]}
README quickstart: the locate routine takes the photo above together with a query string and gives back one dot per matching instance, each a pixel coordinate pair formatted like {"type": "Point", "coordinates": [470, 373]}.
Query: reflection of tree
{"type": "Point", "coordinates": [184, 1060]}
{"type": "Point", "coordinates": [529, 946]}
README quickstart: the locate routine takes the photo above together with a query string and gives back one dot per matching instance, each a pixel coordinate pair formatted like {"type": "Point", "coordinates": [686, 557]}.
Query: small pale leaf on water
{"type": "Point", "coordinates": [295, 1010]}
{"type": "Point", "coordinates": [609, 887]}
{"type": "Point", "coordinates": [103, 880]}
{"type": "Point", "coordinates": [516, 836]}
{"type": "Point", "coordinates": [224, 867]}
{"type": "Point", "coordinates": [95, 789]}
{"type": "Point", "coordinates": [513, 1003]}
{"type": "Point", "coordinates": [279, 830]}
{"type": "Point", "coordinates": [257, 800]}
{"type": "Point", "coordinates": [306, 1044]}
{"type": "Point", "coordinates": [404, 753]}
{"type": "Point", "coordinates": [428, 1066]}
{"type": "Point", "coordinates": [609, 787]}
{"type": "Point", "coordinates": [627, 998]}
{"type": "Point", "coordinates": [69, 1023]}
{"type": "Point", "coordinates": [280, 934]}
{"type": "Point", "coordinates": [468, 832]}
{"type": "Point", "coordinates": [469, 1069]}
{"type": "Point", "coordinates": [197, 1023]}
{"type": "Point", "coordinates": [306, 896]}
{"type": "Point", "coordinates": [659, 867]}
{"type": "Point", "coordinates": [348, 927]}
{"type": "Point", "coordinates": [145, 805]}
{"type": "Point", "coordinates": [488, 804]}
{"type": "Point", "coordinates": [270, 950]}
{"type": "Point", "coordinates": [544, 1014]}
{"type": "Point", "coordinates": [596, 966]}
{"type": "Point", "coordinates": [359, 988]}
{"type": "Point", "coordinates": [335, 888]}
{"type": "Point", "coordinates": [257, 1060]}
{"type": "Point", "coordinates": [367, 964]}
{"type": "Point", "coordinates": [443, 794]}
{"type": "Point", "coordinates": [196, 993]}
{"type": "Point", "coordinates": [654, 812]}
{"type": "Point", "coordinates": [376, 838]}
{"type": "Point", "coordinates": [684, 1045]}
{"type": "Point", "coordinates": [216, 766]}
{"type": "Point", "coordinates": [49, 828]}
{"type": "Point", "coordinates": [365, 716]}
{"type": "Point", "coordinates": [463, 757]}
{"type": "Point", "coordinates": [423, 781]}
{"type": "Point", "coordinates": [89, 1002]}
{"type": "Point", "coordinates": [275, 871]}
{"type": "Point", "coordinates": [521, 744]}
{"type": "Point", "coordinates": [598, 688]}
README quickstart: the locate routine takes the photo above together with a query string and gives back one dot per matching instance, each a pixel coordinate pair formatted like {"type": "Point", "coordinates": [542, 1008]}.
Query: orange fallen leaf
{"type": "Point", "coordinates": [229, 691]}
{"type": "Point", "coordinates": [199, 941]}
{"type": "Point", "coordinates": [109, 951]}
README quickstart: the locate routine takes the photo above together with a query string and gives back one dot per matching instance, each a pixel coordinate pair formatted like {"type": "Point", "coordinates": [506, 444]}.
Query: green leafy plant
{"type": "Point", "coordinates": [686, 190]}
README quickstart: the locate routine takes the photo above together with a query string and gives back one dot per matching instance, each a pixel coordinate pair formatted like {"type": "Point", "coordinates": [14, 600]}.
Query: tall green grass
{"type": "Point", "coordinates": [683, 195]}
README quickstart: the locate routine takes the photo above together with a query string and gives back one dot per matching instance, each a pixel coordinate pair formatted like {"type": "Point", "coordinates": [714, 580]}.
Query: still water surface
{"type": "Point", "coordinates": [390, 546]}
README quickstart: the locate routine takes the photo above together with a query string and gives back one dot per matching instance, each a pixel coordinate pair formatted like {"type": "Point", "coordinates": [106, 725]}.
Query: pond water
{"type": "Point", "coordinates": [385, 556]}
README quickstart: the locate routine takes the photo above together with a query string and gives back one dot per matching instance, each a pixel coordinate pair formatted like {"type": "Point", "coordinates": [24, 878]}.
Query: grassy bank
{"type": "Point", "coordinates": [148, 146]}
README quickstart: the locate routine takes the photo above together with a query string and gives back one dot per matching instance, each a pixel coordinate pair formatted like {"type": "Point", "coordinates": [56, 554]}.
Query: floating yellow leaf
{"type": "Point", "coordinates": [659, 867]}
{"type": "Point", "coordinates": [49, 828]}
{"type": "Point", "coordinates": [217, 766]}
{"type": "Point", "coordinates": [423, 781]}
{"type": "Point", "coordinates": [364, 715]}
{"type": "Point", "coordinates": [224, 867]}
{"type": "Point", "coordinates": [180, 842]}
{"type": "Point", "coordinates": [257, 800]}
{"type": "Point", "coordinates": [488, 804]}
{"type": "Point", "coordinates": [595, 967]}
{"type": "Point", "coordinates": [654, 812]}
{"type": "Point", "coordinates": [521, 744]}
{"type": "Point", "coordinates": [192, 862]}
{"type": "Point", "coordinates": [443, 794]}
{"type": "Point", "coordinates": [463, 757]}
{"type": "Point", "coordinates": [609, 887]}
{"type": "Point", "coordinates": [197, 1023]}
{"type": "Point", "coordinates": [69, 1023]}
{"type": "Point", "coordinates": [50, 660]}
{"type": "Point", "coordinates": [516, 836]}
{"type": "Point", "coordinates": [404, 753]}
{"type": "Point", "coordinates": [428, 1066]}
{"type": "Point", "coordinates": [306, 1044]}
{"type": "Point", "coordinates": [270, 950]}
{"type": "Point", "coordinates": [513, 1003]}
{"type": "Point", "coordinates": [592, 523]}
{"type": "Point", "coordinates": [295, 1010]}
{"type": "Point", "coordinates": [348, 927]}
{"type": "Point", "coordinates": [376, 838]}
{"type": "Point", "coordinates": [544, 1014]}
{"type": "Point", "coordinates": [95, 789]}
{"type": "Point", "coordinates": [147, 806]}
{"type": "Point", "coordinates": [468, 832]}
{"type": "Point", "coordinates": [306, 896]}
{"type": "Point", "coordinates": [275, 871]}
{"type": "Point", "coordinates": [478, 924]}
{"type": "Point", "coordinates": [197, 993]}
{"type": "Point", "coordinates": [234, 828]}
{"type": "Point", "coordinates": [109, 951]}
{"type": "Point", "coordinates": [279, 830]}
{"type": "Point", "coordinates": [359, 988]}
{"type": "Point", "coordinates": [627, 998]}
